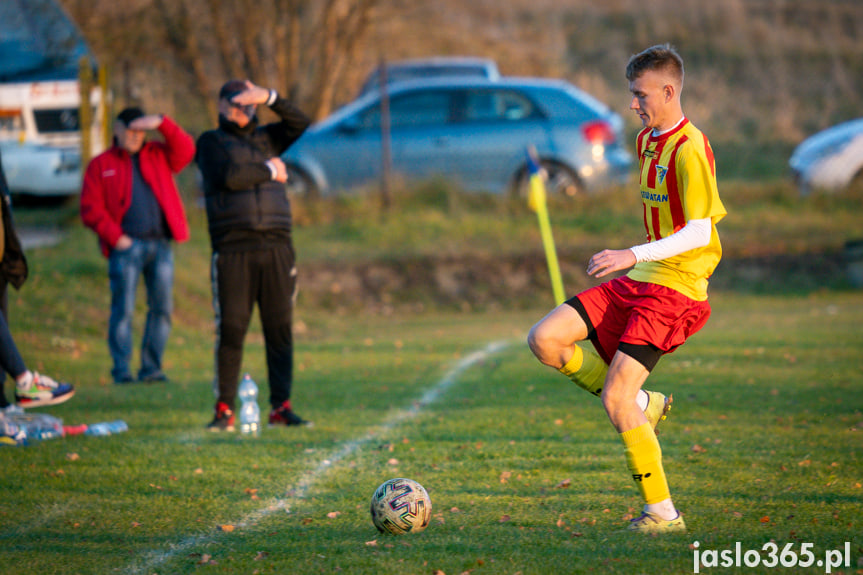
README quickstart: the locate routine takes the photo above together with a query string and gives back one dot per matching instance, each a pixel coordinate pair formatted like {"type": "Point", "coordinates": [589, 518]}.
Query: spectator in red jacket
{"type": "Point", "coordinates": [130, 200]}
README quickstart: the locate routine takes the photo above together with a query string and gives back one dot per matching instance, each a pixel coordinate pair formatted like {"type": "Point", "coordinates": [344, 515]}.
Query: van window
{"type": "Point", "coordinates": [56, 120]}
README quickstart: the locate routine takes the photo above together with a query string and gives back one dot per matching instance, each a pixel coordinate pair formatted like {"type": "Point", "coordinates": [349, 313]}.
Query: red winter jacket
{"type": "Point", "coordinates": [107, 190]}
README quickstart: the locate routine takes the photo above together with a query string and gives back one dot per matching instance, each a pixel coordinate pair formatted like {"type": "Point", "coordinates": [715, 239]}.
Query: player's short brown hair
{"type": "Point", "coordinates": [661, 57]}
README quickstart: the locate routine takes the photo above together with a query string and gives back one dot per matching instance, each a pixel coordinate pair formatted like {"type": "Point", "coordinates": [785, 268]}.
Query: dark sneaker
{"type": "Point", "coordinates": [223, 420]}
{"type": "Point", "coordinates": [284, 415]}
{"type": "Point", "coordinates": [157, 377]}
{"type": "Point", "coordinates": [41, 390]}
{"type": "Point", "coordinates": [124, 379]}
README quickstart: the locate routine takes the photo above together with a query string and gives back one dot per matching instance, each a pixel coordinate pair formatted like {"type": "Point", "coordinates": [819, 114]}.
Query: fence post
{"type": "Point", "coordinates": [85, 114]}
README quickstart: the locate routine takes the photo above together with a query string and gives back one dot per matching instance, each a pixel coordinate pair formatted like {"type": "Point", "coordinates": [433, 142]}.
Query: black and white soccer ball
{"type": "Point", "coordinates": [401, 506]}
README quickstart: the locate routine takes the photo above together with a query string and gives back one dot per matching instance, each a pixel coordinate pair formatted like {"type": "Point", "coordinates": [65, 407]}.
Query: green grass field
{"type": "Point", "coordinates": [524, 472]}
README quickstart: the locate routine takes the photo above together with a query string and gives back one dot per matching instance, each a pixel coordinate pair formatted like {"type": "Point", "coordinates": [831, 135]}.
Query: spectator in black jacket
{"type": "Point", "coordinates": [249, 218]}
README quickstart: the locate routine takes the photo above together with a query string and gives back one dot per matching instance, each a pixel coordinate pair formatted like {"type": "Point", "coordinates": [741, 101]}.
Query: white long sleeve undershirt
{"type": "Point", "coordinates": [695, 234]}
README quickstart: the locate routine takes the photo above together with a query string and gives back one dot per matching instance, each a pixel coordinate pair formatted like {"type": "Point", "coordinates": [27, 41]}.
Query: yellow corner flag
{"type": "Point", "coordinates": [536, 201]}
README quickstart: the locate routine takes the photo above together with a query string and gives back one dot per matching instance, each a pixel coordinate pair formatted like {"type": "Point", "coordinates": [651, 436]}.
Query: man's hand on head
{"type": "Point", "coordinates": [252, 96]}
{"type": "Point", "coordinates": [144, 123]}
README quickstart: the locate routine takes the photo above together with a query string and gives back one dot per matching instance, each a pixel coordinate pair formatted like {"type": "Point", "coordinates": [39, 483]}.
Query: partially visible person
{"type": "Point", "coordinates": [249, 217]}
{"type": "Point", "coordinates": [32, 389]}
{"type": "Point", "coordinates": [129, 198]}
{"type": "Point", "coordinates": [634, 320]}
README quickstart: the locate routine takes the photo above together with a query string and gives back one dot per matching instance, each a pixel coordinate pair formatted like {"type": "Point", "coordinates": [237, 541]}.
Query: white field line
{"type": "Point", "coordinates": [306, 481]}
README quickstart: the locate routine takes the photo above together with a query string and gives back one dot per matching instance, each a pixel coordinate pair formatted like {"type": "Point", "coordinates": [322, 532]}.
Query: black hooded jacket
{"type": "Point", "coordinates": [13, 263]}
{"type": "Point", "coordinates": [244, 205]}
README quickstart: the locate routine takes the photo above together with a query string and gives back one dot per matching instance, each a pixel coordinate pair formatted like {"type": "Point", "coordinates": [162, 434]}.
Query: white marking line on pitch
{"type": "Point", "coordinates": [307, 480]}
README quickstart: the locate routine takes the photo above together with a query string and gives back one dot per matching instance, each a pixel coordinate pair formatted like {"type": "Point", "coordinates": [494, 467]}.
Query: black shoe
{"type": "Point", "coordinates": [223, 420]}
{"type": "Point", "coordinates": [124, 379]}
{"type": "Point", "coordinates": [156, 377]}
{"type": "Point", "coordinates": [284, 415]}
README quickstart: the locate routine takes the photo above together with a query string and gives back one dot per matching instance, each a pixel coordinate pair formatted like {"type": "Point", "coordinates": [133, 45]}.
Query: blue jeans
{"type": "Point", "coordinates": [10, 360]}
{"type": "Point", "coordinates": [155, 260]}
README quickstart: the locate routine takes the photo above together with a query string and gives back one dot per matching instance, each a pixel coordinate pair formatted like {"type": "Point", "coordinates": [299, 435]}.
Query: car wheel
{"type": "Point", "coordinates": [560, 181]}
{"type": "Point", "coordinates": [300, 185]}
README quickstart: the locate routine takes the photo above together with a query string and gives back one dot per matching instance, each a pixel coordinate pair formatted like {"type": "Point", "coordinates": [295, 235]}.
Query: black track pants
{"type": "Point", "coordinates": [241, 278]}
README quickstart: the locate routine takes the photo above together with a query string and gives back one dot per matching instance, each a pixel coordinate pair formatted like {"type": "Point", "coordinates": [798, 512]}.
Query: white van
{"type": "Point", "coordinates": [40, 136]}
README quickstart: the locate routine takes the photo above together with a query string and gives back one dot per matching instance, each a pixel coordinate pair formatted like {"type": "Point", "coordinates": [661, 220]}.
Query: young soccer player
{"type": "Point", "coordinates": [635, 319]}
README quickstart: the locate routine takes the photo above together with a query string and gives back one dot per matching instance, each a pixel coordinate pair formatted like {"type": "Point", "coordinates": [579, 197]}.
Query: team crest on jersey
{"type": "Point", "coordinates": [660, 172]}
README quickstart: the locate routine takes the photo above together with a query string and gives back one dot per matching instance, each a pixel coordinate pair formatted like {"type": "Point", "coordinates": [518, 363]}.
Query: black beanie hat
{"type": "Point", "coordinates": [129, 115]}
{"type": "Point", "coordinates": [231, 88]}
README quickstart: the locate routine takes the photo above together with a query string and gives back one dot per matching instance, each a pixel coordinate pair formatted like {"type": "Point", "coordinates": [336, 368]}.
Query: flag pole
{"type": "Point", "coordinates": [536, 201]}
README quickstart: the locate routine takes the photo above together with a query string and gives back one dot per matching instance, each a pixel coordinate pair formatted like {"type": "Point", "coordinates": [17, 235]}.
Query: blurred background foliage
{"type": "Point", "coordinates": [761, 74]}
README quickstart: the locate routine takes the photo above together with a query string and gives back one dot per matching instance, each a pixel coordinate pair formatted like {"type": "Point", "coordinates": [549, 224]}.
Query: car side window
{"type": "Point", "coordinates": [412, 109]}
{"type": "Point", "coordinates": [419, 109]}
{"type": "Point", "coordinates": [496, 105]}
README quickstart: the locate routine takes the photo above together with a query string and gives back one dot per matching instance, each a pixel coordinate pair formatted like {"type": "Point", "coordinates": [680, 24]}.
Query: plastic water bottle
{"type": "Point", "coordinates": [250, 413]}
{"type": "Point", "coordinates": [11, 433]}
{"type": "Point", "coordinates": [107, 428]}
{"type": "Point", "coordinates": [35, 425]}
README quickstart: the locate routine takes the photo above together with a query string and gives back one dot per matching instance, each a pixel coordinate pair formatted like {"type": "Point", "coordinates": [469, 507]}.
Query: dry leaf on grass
{"type": "Point", "coordinates": [207, 559]}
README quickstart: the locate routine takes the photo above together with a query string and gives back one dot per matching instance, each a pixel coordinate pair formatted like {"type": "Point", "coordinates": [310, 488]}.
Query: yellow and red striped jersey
{"type": "Point", "coordinates": [678, 184]}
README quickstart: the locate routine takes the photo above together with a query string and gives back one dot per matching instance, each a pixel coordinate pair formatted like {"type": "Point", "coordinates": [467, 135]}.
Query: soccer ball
{"type": "Point", "coordinates": [400, 506]}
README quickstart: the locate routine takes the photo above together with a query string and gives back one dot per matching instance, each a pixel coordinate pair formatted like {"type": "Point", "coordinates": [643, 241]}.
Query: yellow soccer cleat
{"type": "Point", "coordinates": [657, 408]}
{"type": "Point", "coordinates": [649, 523]}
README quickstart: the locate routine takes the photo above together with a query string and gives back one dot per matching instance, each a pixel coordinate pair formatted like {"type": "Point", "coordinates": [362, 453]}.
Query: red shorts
{"type": "Point", "coordinates": [623, 310]}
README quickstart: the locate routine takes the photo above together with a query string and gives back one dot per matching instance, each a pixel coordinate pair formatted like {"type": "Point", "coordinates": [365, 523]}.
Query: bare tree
{"type": "Point", "coordinates": [344, 24]}
{"type": "Point", "coordinates": [178, 20]}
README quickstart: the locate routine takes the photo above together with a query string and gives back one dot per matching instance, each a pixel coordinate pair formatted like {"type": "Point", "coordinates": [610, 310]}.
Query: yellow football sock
{"type": "Point", "coordinates": [586, 369]}
{"type": "Point", "coordinates": [644, 457]}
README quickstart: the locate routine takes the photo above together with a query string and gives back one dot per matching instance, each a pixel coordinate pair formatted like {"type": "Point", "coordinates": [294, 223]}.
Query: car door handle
{"type": "Point", "coordinates": [441, 141]}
